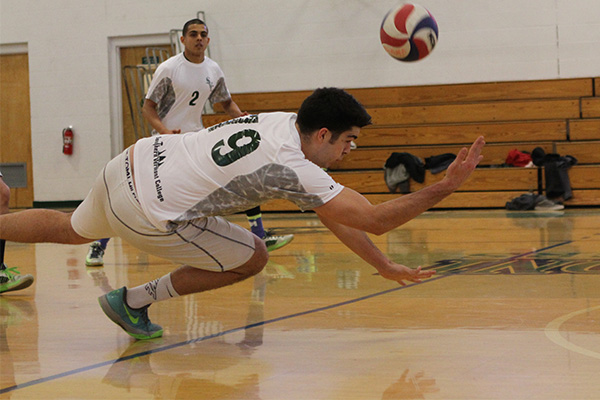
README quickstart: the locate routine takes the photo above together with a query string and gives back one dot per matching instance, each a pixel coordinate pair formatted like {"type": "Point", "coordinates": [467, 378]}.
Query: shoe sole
{"type": "Point", "coordinates": [94, 264]}
{"type": "Point", "coordinates": [280, 245]}
{"type": "Point", "coordinates": [90, 263]}
{"type": "Point", "coordinates": [24, 284]}
{"type": "Point", "coordinates": [114, 317]}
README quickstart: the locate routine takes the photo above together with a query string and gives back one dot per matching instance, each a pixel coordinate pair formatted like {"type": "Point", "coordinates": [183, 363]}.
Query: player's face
{"type": "Point", "coordinates": [342, 146]}
{"type": "Point", "coordinates": [195, 41]}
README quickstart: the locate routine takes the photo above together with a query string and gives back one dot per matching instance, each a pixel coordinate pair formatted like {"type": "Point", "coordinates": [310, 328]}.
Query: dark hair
{"type": "Point", "coordinates": [331, 108]}
{"type": "Point", "coordinates": [194, 21]}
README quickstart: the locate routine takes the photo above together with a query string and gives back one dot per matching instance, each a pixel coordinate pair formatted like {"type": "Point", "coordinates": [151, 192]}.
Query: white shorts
{"type": "Point", "coordinates": [111, 209]}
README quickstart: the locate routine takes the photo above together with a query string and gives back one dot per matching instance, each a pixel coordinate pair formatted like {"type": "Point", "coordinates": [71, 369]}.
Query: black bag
{"type": "Point", "coordinates": [556, 175]}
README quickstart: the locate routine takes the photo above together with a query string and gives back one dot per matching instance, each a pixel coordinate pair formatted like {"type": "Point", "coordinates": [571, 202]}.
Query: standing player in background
{"type": "Point", "coordinates": [174, 103]}
{"type": "Point", "coordinates": [9, 277]}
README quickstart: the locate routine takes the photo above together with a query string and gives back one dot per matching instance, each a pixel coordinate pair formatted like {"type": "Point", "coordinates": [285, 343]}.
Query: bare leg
{"type": "Point", "coordinates": [39, 226]}
{"type": "Point", "coordinates": [187, 280]}
{"type": "Point", "coordinates": [4, 197]}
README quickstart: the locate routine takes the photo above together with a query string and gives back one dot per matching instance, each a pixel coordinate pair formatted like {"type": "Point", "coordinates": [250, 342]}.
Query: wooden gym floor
{"type": "Point", "coordinates": [513, 313]}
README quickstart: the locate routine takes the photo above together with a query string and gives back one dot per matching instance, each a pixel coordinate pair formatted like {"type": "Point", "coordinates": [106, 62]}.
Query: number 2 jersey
{"type": "Point", "coordinates": [180, 88]}
{"type": "Point", "coordinates": [227, 168]}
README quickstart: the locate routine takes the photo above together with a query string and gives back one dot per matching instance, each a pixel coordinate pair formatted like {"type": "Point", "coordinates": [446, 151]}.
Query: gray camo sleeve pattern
{"type": "Point", "coordinates": [273, 181]}
{"type": "Point", "coordinates": [220, 92]}
{"type": "Point", "coordinates": [163, 96]}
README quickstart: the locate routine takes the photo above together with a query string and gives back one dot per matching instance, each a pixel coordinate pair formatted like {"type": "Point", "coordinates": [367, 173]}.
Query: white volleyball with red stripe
{"type": "Point", "coordinates": [409, 32]}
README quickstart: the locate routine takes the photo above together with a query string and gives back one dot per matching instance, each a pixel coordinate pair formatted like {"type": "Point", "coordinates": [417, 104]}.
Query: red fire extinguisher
{"type": "Point", "coordinates": [68, 140]}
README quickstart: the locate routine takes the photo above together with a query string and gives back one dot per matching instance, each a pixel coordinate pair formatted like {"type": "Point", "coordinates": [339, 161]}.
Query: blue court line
{"type": "Point", "coordinates": [261, 323]}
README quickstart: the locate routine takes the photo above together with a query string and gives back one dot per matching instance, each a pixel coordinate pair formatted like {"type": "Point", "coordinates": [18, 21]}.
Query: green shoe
{"type": "Point", "coordinates": [134, 322]}
{"type": "Point", "coordinates": [11, 280]}
{"type": "Point", "coordinates": [277, 242]}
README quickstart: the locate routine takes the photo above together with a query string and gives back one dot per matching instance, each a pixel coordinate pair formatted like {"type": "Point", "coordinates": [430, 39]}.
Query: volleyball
{"type": "Point", "coordinates": [408, 32]}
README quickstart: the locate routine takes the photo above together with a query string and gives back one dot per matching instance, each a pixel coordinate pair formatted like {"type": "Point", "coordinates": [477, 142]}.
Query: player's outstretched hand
{"type": "Point", "coordinates": [401, 273]}
{"type": "Point", "coordinates": [464, 164]}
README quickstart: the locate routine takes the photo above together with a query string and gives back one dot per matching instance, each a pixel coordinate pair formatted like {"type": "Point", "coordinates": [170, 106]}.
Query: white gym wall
{"type": "Point", "coordinates": [269, 45]}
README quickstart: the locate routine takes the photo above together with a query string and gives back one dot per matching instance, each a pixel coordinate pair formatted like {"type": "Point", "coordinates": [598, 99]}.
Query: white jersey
{"type": "Point", "coordinates": [180, 89]}
{"type": "Point", "coordinates": [228, 168]}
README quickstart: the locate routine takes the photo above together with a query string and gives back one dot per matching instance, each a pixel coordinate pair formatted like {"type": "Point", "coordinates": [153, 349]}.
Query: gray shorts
{"type": "Point", "coordinates": [111, 209]}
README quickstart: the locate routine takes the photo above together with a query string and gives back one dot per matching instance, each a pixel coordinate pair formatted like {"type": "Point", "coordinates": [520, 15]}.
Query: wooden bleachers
{"type": "Point", "coordinates": [584, 129]}
{"type": "Point", "coordinates": [436, 94]}
{"type": "Point", "coordinates": [590, 107]}
{"type": "Point", "coordinates": [560, 116]}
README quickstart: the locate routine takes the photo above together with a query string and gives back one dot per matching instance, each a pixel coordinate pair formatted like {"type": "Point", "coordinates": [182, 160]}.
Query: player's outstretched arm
{"type": "Point", "coordinates": [464, 164]}
{"type": "Point", "coordinates": [352, 209]}
{"type": "Point", "coordinates": [359, 243]}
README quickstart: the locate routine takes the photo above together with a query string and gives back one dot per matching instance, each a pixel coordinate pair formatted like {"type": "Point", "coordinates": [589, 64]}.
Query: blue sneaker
{"type": "Point", "coordinates": [134, 322]}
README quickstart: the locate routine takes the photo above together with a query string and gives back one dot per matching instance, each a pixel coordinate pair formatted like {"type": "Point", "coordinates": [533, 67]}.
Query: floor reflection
{"type": "Point", "coordinates": [514, 293]}
{"type": "Point", "coordinates": [17, 316]}
{"type": "Point", "coordinates": [410, 386]}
